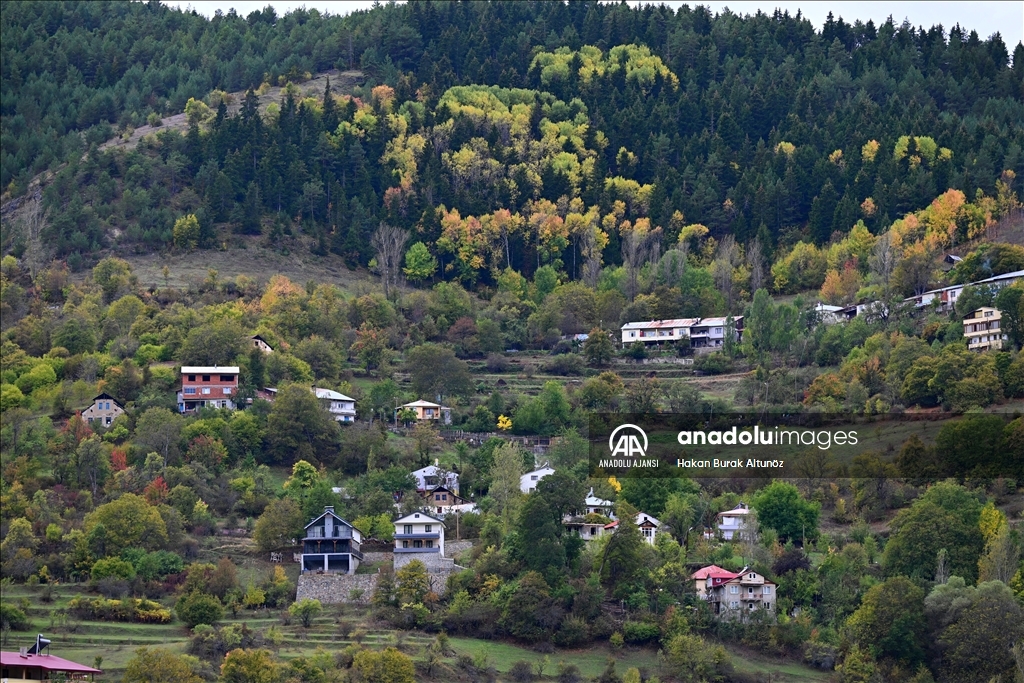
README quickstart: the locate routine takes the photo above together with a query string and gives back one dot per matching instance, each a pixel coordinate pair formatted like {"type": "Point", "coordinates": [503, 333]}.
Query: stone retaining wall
{"type": "Point", "coordinates": [369, 558]}
{"type": "Point", "coordinates": [333, 589]}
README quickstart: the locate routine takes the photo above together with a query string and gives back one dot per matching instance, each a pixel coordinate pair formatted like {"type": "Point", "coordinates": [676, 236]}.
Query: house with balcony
{"type": "Point", "coordinates": [207, 387]}
{"type": "Point", "coordinates": [425, 410]}
{"type": "Point", "coordinates": [341, 407]}
{"type": "Point", "coordinates": [528, 482]}
{"type": "Point", "coordinates": [588, 527]}
{"type": "Point", "coordinates": [28, 666]}
{"type": "Point", "coordinates": [709, 334]}
{"type": "Point", "coordinates": [420, 536]}
{"type": "Point", "coordinates": [745, 593]}
{"type": "Point", "coordinates": [945, 298]}
{"type": "Point", "coordinates": [982, 329]}
{"type": "Point", "coordinates": [103, 411]}
{"type": "Point", "coordinates": [331, 544]}
{"type": "Point", "coordinates": [733, 523]}
{"type": "Point", "coordinates": [657, 331]}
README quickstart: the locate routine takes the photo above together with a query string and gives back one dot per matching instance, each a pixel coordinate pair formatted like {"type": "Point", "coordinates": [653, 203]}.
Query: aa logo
{"type": "Point", "coordinates": [628, 442]}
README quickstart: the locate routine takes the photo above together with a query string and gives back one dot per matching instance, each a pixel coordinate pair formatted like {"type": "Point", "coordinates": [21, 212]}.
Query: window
{"type": "Point", "coordinates": [227, 378]}
{"type": "Point", "coordinates": [108, 421]}
{"type": "Point", "coordinates": [751, 606]}
{"type": "Point", "coordinates": [428, 528]}
{"type": "Point", "coordinates": [750, 591]}
{"type": "Point", "coordinates": [430, 544]}
{"type": "Point", "coordinates": [766, 590]}
{"type": "Point", "coordinates": [417, 544]}
{"type": "Point", "coordinates": [437, 496]}
{"type": "Point", "coordinates": [734, 589]}
{"type": "Point", "coordinates": [206, 378]}
{"type": "Point", "coordinates": [405, 544]}
{"type": "Point", "coordinates": [408, 529]}
{"type": "Point", "coordinates": [191, 378]}
{"type": "Point", "coordinates": [533, 478]}
{"type": "Point", "coordinates": [190, 390]}
{"type": "Point", "coordinates": [444, 496]}
{"type": "Point", "coordinates": [206, 390]}
{"type": "Point", "coordinates": [734, 604]}
{"type": "Point", "coordinates": [751, 576]}
{"type": "Point", "coordinates": [227, 391]}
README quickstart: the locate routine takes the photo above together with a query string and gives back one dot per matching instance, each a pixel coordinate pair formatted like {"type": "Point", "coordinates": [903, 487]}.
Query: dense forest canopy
{"type": "Point", "coordinates": [758, 126]}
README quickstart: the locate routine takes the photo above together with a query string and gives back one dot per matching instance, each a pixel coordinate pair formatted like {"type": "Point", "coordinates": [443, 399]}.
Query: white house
{"type": "Point", "coordinates": [598, 506]}
{"type": "Point", "coordinates": [331, 544]}
{"type": "Point", "coordinates": [432, 476]}
{"type": "Point", "coordinates": [528, 482]}
{"type": "Point", "coordinates": [733, 523]}
{"type": "Point", "coordinates": [104, 410]}
{"type": "Point", "coordinates": [946, 296]}
{"type": "Point", "coordinates": [648, 526]}
{"type": "Point", "coordinates": [260, 343]}
{"type": "Point", "coordinates": [341, 407]}
{"type": "Point", "coordinates": [657, 331]}
{"type": "Point", "coordinates": [830, 315]}
{"type": "Point", "coordinates": [710, 333]}
{"type": "Point", "coordinates": [419, 534]}
{"type": "Point", "coordinates": [983, 329]}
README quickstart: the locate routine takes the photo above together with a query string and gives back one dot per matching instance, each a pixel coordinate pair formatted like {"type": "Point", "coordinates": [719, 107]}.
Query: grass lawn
{"type": "Point", "coordinates": [591, 661]}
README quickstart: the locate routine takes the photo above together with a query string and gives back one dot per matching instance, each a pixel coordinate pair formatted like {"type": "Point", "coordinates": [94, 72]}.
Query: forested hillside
{"type": "Point", "coordinates": [756, 127]}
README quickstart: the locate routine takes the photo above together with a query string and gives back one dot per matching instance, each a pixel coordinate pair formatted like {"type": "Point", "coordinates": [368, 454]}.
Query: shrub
{"type": "Point", "coordinates": [127, 610]}
{"type": "Point", "coordinates": [13, 618]}
{"type": "Point", "coordinates": [568, 364]}
{"type": "Point", "coordinates": [198, 608]}
{"type": "Point", "coordinates": [573, 632]}
{"type": "Point", "coordinates": [638, 632]}
{"type": "Point", "coordinates": [616, 641]}
{"type": "Point", "coordinates": [715, 363]}
{"type": "Point", "coordinates": [521, 672]}
{"type": "Point", "coordinates": [112, 567]}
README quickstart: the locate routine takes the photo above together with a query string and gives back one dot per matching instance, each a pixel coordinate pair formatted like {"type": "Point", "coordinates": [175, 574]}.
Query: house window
{"type": "Point", "coordinates": [108, 421]}
{"type": "Point", "coordinates": [750, 591]}
{"type": "Point", "coordinates": [405, 544]}
{"type": "Point", "coordinates": [206, 390]}
{"type": "Point", "coordinates": [191, 378]}
{"type": "Point", "coordinates": [766, 590]}
{"type": "Point", "coordinates": [428, 528]}
{"type": "Point", "coordinates": [430, 544]}
{"type": "Point", "coordinates": [227, 391]}
{"type": "Point", "coordinates": [734, 604]}
{"type": "Point", "coordinates": [437, 496]}
{"type": "Point", "coordinates": [533, 478]}
{"type": "Point", "coordinates": [751, 576]}
{"type": "Point", "coordinates": [417, 544]}
{"type": "Point", "coordinates": [408, 529]}
{"type": "Point", "coordinates": [734, 589]}
{"type": "Point", "coordinates": [444, 496]}
{"type": "Point", "coordinates": [190, 390]}
{"type": "Point", "coordinates": [227, 378]}
{"type": "Point", "coordinates": [206, 378]}
{"type": "Point", "coordinates": [751, 606]}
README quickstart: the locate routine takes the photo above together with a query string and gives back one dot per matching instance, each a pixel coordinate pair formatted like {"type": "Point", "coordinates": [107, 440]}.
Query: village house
{"type": "Point", "coordinates": [418, 536]}
{"type": "Point", "coordinates": [528, 482]}
{"type": "Point", "coordinates": [443, 501]}
{"type": "Point", "coordinates": [983, 329]}
{"type": "Point", "coordinates": [260, 343]}
{"type": "Point", "coordinates": [30, 665]}
{"type": "Point", "coordinates": [598, 506]}
{"type": "Point", "coordinates": [331, 544]}
{"type": "Point", "coordinates": [944, 298]}
{"type": "Point", "coordinates": [733, 523]}
{"type": "Point", "coordinates": [657, 331]}
{"type": "Point", "coordinates": [425, 410]}
{"type": "Point", "coordinates": [430, 477]}
{"type": "Point", "coordinates": [207, 387]}
{"type": "Point", "coordinates": [341, 407]}
{"type": "Point", "coordinates": [710, 577]}
{"type": "Point", "coordinates": [647, 525]}
{"type": "Point", "coordinates": [710, 333]}
{"type": "Point", "coordinates": [104, 410]}
{"type": "Point", "coordinates": [744, 593]}
{"type": "Point", "coordinates": [587, 527]}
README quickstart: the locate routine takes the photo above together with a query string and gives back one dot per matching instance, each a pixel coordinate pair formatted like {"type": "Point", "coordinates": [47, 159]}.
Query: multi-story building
{"type": "Point", "coordinates": [443, 501]}
{"type": "Point", "coordinates": [432, 476]}
{"type": "Point", "coordinates": [341, 407]}
{"type": "Point", "coordinates": [983, 329]}
{"type": "Point", "coordinates": [944, 298]}
{"type": "Point", "coordinates": [747, 592]}
{"type": "Point", "coordinates": [104, 410]}
{"type": "Point", "coordinates": [657, 331]}
{"type": "Point", "coordinates": [733, 523]}
{"type": "Point", "coordinates": [710, 333]}
{"type": "Point", "coordinates": [207, 387]}
{"type": "Point", "coordinates": [331, 544]}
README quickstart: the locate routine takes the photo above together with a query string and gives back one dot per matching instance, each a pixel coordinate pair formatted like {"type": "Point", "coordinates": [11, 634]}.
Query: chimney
{"type": "Point", "coordinates": [23, 651]}
{"type": "Point", "coordinates": [436, 462]}
{"type": "Point", "coordinates": [328, 508]}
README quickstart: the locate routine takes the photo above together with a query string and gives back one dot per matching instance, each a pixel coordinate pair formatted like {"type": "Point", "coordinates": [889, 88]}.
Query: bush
{"type": "Point", "coordinates": [568, 364]}
{"type": "Point", "coordinates": [572, 633]}
{"type": "Point", "coordinates": [13, 618]}
{"type": "Point", "coordinates": [715, 363]}
{"type": "Point", "coordinates": [127, 610]}
{"type": "Point", "coordinates": [496, 362]}
{"type": "Point", "coordinates": [198, 608]}
{"type": "Point", "coordinates": [521, 672]}
{"type": "Point", "coordinates": [639, 632]}
{"type": "Point", "coordinates": [112, 567]}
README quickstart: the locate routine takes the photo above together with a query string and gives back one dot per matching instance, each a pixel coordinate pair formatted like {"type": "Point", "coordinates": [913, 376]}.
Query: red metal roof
{"type": "Point", "coordinates": [45, 662]}
{"type": "Point", "coordinates": [715, 572]}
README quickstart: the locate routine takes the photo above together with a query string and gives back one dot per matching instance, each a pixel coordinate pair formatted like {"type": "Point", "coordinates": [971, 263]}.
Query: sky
{"type": "Point", "coordinates": [986, 18]}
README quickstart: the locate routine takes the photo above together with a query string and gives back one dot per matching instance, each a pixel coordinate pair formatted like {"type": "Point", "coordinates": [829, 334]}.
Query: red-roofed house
{"type": "Point", "coordinates": [709, 577]}
{"type": "Point", "coordinates": [26, 667]}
